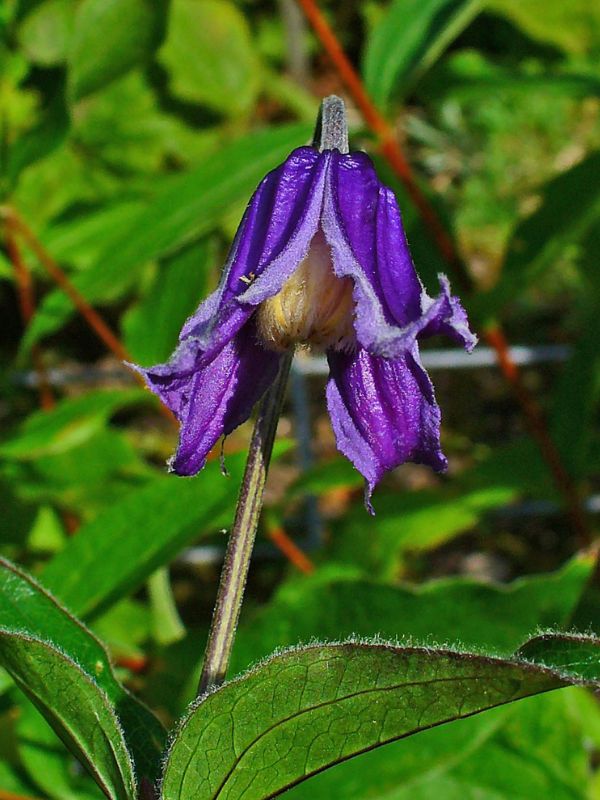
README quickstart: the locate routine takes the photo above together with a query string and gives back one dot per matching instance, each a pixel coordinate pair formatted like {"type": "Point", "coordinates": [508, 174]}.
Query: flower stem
{"type": "Point", "coordinates": [242, 536]}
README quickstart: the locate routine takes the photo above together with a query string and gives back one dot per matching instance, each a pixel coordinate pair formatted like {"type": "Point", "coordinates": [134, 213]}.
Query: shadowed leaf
{"type": "Point", "coordinates": [32, 620]}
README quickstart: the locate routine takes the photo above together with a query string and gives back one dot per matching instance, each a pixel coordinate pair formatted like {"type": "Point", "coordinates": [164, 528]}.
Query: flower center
{"type": "Point", "coordinates": [314, 307]}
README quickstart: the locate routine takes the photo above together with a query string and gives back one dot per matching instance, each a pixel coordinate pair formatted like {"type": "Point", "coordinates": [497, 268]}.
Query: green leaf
{"type": "Point", "coordinates": [210, 56]}
{"type": "Point", "coordinates": [329, 605]}
{"type": "Point", "coordinates": [574, 655]}
{"type": "Point", "coordinates": [45, 33]}
{"type": "Point", "coordinates": [41, 140]}
{"type": "Point", "coordinates": [11, 780]}
{"type": "Point", "coordinates": [414, 522]}
{"type": "Point", "coordinates": [469, 74]}
{"type": "Point", "coordinates": [191, 205]}
{"type": "Point", "coordinates": [576, 398]}
{"type": "Point", "coordinates": [167, 626]}
{"type": "Point", "coordinates": [27, 610]}
{"type": "Point", "coordinates": [47, 762]}
{"type": "Point", "coordinates": [570, 206]}
{"type": "Point", "coordinates": [323, 477]}
{"type": "Point", "coordinates": [508, 753]}
{"type": "Point", "coordinates": [115, 553]}
{"type": "Point", "coordinates": [574, 26]}
{"type": "Point", "coordinates": [183, 209]}
{"type": "Point", "coordinates": [78, 239]}
{"type": "Point", "coordinates": [308, 709]}
{"type": "Point", "coordinates": [152, 327]}
{"type": "Point", "coordinates": [110, 38]}
{"type": "Point", "coordinates": [408, 39]}
{"type": "Point", "coordinates": [72, 422]}
{"type": "Point", "coordinates": [75, 706]}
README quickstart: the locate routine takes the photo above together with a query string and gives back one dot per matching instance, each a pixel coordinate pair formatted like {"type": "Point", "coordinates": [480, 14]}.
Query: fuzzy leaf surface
{"type": "Point", "coordinates": [29, 616]}
{"type": "Point", "coordinates": [308, 709]}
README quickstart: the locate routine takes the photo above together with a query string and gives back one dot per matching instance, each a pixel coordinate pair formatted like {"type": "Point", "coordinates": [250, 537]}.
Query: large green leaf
{"type": "Point", "coordinates": [111, 37]}
{"type": "Point", "coordinates": [408, 38]}
{"type": "Point", "coordinates": [183, 209]}
{"type": "Point", "coordinates": [329, 606]}
{"type": "Point", "coordinates": [508, 753]}
{"type": "Point", "coordinates": [113, 555]}
{"type": "Point", "coordinates": [570, 206]}
{"type": "Point", "coordinates": [210, 56]}
{"type": "Point", "coordinates": [76, 707]}
{"type": "Point", "coordinates": [72, 422]}
{"type": "Point", "coordinates": [310, 708]}
{"type": "Point", "coordinates": [47, 763]}
{"type": "Point", "coordinates": [27, 610]}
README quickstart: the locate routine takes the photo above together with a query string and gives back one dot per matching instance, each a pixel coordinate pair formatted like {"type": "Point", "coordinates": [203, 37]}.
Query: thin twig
{"type": "Point", "coordinates": [495, 336]}
{"type": "Point", "coordinates": [243, 533]}
{"type": "Point", "coordinates": [91, 316]}
{"type": "Point", "coordinates": [294, 554]}
{"type": "Point", "coordinates": [89, 313]}
{"type": "Point", "coordinates": [27, 305]}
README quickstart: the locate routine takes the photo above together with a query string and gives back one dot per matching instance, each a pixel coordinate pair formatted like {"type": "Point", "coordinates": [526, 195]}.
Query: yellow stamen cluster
{"type": "Point", "coordinates": [314, 306]}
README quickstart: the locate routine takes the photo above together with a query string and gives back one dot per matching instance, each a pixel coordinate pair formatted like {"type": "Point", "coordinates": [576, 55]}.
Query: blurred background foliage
{"type": "Point", "coordinates": [132, 133]}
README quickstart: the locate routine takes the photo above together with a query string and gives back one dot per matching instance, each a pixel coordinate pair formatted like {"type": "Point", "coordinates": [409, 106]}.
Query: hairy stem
{"type": "Point", "coordinates": [242, 536]}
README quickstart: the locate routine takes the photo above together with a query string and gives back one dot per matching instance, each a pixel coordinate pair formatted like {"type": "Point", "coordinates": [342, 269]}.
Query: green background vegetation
{"type": "Point", "coordinates": [132, 133]}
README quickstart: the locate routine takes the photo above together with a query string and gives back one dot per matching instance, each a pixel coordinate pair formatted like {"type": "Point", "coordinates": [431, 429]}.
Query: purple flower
{"type": "Point", "coordinates": [320, 259]}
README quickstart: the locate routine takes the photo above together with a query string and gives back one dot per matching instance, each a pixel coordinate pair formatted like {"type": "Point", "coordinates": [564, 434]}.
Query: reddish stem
{"type": "Point", "coordinates": [494, 335]}
{"type": "Point", "coordinates": [27, 305]}
{"type": "Point", "coordinates": [95, 321]}
{"type": "Point", "coordinates": [291, 550]}
{"type": "Point", "coordinates": [91, 316]}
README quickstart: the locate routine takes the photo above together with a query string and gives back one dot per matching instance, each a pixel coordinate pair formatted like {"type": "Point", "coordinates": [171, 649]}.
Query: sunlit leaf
{"type": "Point", "coordinates": [409, 37]}
{"type": "Point", "coordinates": [414, 522]}
{"type": "Point", "coordinates": [72, 422]}
{"type": "Point", "coordinates": [570, 205]}
{"type": "Point", "coordinates": [113, 555]}
{"type": "Point", "coordinates": [310, 708]}
{"type": "Point", "coordinates": [209, 55]}
{"type": "Point", "coordinates": [574, 26]}
{"type": "Point", "coordinates": [45, 33]}
{"type": "Point", "coordinates": [111, 37]}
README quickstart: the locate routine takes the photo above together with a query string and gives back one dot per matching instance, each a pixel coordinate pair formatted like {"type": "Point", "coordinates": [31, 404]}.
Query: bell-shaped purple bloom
{"type": "Point", "coordinates": [320, 258]}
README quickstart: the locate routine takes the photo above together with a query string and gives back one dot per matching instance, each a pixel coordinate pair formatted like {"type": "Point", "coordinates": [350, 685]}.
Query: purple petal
{"type": "Point", "coordinates": [215, 399]}
{"type": "Point", "coordinates": [273, 238]}
{"type": "Point", "coordinates": [445, 315]}
{"type": "Point", "coordinates": [363, 226]}
{"type": "Point", "coordinates": [383, 413]}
